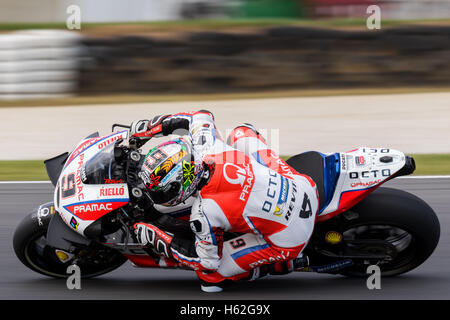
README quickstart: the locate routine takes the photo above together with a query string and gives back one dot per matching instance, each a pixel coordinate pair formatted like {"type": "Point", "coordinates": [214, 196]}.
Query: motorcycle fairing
{"type": "Point", "coordinates": [54, 166]}
{"type": "Point", "coordinates": [60, 236]}
{"type": "Point", "coordinates": [361, 171]}
{"type": "Point", "coordinates": [146, 261]}
{"type": "Point", "coordinates": [80, 204]}
{"type": "Point", "coordinates": [323, 169]}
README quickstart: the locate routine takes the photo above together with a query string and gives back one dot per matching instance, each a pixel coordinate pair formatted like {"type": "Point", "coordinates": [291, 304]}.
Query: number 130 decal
{"type": "Point", "coordinates": [68, 186]}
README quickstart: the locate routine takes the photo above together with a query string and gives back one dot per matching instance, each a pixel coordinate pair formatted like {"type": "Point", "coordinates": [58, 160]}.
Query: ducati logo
{"type": "Point", "coordinates": [234, 174]}
{"type": "Point", "coordinates": [238, 175]}
{"type": "Point", "coordinates": [239, 133]}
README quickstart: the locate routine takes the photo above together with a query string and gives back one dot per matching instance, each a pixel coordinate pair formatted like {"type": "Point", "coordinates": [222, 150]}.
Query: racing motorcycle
{"type": "Point", "coordinates": [98, 198]}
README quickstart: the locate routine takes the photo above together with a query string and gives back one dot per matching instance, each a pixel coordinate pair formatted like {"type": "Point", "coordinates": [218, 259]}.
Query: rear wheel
{"type": "Point", "coordinates": [391, 228]}
{"type": "Point", "coordinates": [31, 248]}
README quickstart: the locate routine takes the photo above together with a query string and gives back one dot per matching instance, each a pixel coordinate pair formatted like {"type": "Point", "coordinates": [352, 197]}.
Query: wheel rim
{"type": "Point", "coordinates": [36, 255]}
{"type": "Point", "coordinates": [43, 259]}
{"type": "Point", "coordinates": [400, 239]}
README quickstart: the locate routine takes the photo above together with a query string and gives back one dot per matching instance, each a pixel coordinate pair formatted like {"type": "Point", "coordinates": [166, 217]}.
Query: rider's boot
{"type": "Point", "coordinates": [212, 282]}
{"type": "Point", "coordinates": [279, 268]}
{"type": "Point", "coordinates": [211, 287]}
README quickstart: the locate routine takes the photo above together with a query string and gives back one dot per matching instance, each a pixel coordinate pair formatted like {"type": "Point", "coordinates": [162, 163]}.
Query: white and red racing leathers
{"type": "Point", "coordinates": [251, 191]}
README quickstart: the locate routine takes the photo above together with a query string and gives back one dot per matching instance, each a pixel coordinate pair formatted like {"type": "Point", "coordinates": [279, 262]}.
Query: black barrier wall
{"type": "Point", "coordinates": [277, 58]}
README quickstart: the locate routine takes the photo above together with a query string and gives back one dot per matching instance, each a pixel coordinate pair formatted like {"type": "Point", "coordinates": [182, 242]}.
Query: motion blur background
{"type": "Point", "coordinates": [199, 46]}
{"type": "Point", "coordinates": [135, 59]}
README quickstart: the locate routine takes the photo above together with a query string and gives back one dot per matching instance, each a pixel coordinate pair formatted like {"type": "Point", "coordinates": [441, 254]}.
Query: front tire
{"type": "Point", "coordinates": [408, 219]}
{"type": "Point", "coordinates": [30, 246]}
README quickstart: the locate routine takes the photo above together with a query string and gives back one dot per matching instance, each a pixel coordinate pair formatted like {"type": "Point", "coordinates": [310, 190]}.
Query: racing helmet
{"type": "Point", "coordinates": [169, 173]}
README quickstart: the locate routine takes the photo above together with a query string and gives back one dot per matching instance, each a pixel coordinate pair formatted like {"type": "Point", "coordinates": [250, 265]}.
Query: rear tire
{"type": "Point", "coordinates": [402, 210]}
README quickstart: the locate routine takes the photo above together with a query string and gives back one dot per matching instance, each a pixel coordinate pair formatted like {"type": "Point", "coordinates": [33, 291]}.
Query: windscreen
{"type": "Point", "coordinates": [102, 168]}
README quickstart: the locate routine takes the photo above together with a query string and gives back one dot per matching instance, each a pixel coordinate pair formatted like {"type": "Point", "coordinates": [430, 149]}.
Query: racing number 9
{"type": "Point", "coordinates": [68, 186]}
{"type": "Point", "coordinates": [237, 243]}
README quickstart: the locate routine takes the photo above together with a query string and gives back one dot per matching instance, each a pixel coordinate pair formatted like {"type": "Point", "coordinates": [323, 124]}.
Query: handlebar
{"type": "Point", "coordinates": [134, 142]}
{"type": "Point", "coordinates": [120, 126]}
{"type": "Point", "coordinates": [130, 160]}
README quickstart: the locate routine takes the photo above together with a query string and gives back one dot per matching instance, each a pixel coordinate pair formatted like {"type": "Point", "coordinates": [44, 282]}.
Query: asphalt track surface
{"type": "Point", "coordinates": [429, 281]}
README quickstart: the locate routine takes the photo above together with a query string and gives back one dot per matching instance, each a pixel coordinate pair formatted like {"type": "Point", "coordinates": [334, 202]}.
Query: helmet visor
{"type": "Point", "coordinates": [166, 194]}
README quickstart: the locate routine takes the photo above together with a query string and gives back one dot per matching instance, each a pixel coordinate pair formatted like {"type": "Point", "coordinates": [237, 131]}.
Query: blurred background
{"type": "Point", "coordinates": [280, 64]}
{"type": "Point", "coordinates": [154, 10]}
{"type": "Point", "coordinates": [217, 46]}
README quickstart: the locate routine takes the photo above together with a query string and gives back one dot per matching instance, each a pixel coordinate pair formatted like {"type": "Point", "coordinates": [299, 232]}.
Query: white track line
{"type": "Point", "coordinates": [405, 177]}
{"type": "Point", "coordinates": [24, 182]}
{"type": "Point", "coordinates": [424, 177]}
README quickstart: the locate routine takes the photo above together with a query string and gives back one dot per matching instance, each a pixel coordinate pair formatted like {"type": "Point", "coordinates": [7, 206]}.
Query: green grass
{"type": "Point", "coordinates": [23, 170]}
{"type": "Point", "coordinates": [432, 164]}
{"type": "Point", "coordinates": [221, 24]}
{"type": "Point", "coordinates": [34, 170]}
{"type": "Point", "coordinates": [267, 94]}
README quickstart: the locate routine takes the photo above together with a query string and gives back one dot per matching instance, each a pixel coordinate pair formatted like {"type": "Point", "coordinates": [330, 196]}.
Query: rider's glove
{"type": "Point", "coordinates": [143, 130]}
{"type": "Point", "coordinates": [148, 234]}
{"type": "Point", "coordinates": [138, 127]}
{"type": "Point", "coordinates": [148, 129]}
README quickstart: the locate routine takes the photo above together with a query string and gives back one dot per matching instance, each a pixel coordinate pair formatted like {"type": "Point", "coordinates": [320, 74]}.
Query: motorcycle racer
{"type": "Point", "coordinates": [241, 186]}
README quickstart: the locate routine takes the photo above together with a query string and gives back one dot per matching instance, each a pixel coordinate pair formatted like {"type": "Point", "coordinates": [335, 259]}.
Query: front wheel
{"type": "Point", "coordinates": [31, 248]}
{"type": "Point", "coordinates": [391, 228]}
